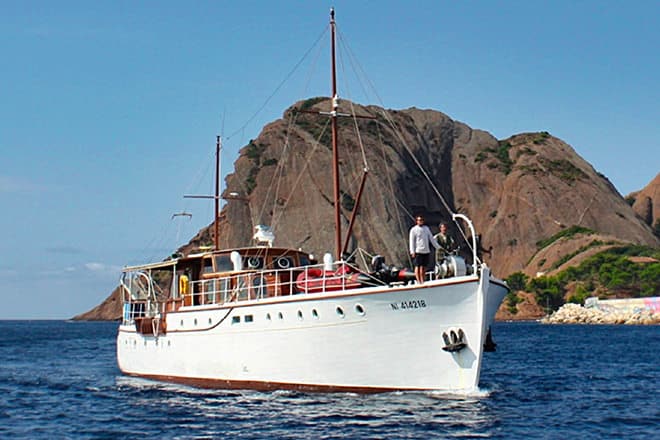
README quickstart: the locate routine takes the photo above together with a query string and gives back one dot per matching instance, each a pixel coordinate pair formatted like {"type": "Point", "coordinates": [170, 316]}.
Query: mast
{"type": "Point", "coordinates": [216, 196]}
{"type": "Point", "coordinates": [335, 152]}
{"type": "Point", "coordinates": [216, 219]}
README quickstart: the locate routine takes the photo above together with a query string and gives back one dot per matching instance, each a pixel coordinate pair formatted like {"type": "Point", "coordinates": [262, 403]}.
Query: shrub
{"type": "Point", "coordinates": [517, 281]}
{"type": "Point", "coordinates": [548, 291]}
{"type": "Point", "coordinates": [512, 300]}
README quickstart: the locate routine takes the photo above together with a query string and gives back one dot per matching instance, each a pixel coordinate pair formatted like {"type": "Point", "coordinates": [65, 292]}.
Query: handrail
{"type": "Point", "coordinates": [474, 239]}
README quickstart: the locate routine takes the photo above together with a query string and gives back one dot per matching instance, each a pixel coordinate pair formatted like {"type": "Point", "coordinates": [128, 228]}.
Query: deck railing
{"type": "Point", "coordinates": [237, 287]}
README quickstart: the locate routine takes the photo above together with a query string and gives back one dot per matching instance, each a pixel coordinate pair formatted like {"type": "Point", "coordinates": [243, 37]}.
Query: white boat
{"type": "Point", "coordinates": [265, 317]}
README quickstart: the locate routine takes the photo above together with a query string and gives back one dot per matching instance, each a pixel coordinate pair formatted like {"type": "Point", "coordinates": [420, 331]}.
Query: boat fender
{"type": "Point", "coordinates": [454, 339]}
{"type": "Point", "coordinates": [327, 262]}
{"type": "Point", "coordinates": [236, 260]}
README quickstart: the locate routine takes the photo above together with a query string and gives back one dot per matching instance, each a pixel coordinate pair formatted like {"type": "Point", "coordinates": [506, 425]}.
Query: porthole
{"type": "Point", "coordinates": [283, 263]}
{"type": "Point", "coordinates": [359, 309]}
{"type": "Point", "coordinates": [195, 321]}
{"type": "Point", "coordinates": [340, 312]}
{"type": "Point", "coordinates": [182, 323]}
{"type": "Point", "coordinates": [315, 314]}
{"type": "Point", "coordinates": [280, 315]}
{"type": "Point", "coordinates": [268, 318]}
{"type": "Point", "coordinates": [210, 321]}
{"type": "Point", "coordinates": [169, 343]}
{"type": "Point", "coordinates": [255, 262]}
{"type": "Point", "coordinates": [300, 315]}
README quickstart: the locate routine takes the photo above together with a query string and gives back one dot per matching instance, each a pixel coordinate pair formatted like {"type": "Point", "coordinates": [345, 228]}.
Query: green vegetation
{"type": "Point", "coordinates": [517, 281]}
{"type": "Point", "coordinates": [526, 151]}
{"type": "Point", "coordinates": [567, 257]}
{"type": "Point", "coordinates": [569, 232]}
{"type": "Point", "coordinates": [319, 129]}
{"type": "Point", "coordinates": [501, 154]}
{"type": "Point", "coordinates": [311, 102]}
{"type": "Point", "coordinates": [610, 273]}
{"type": "Point", "coordinates": [254, 151]}
{"type": "Point", "coordinates": [564, 170]}
{"type": "Point", "coordinates": [580, 294]}
{"type": "Point", "coordinates": [512, 301]}
{"type": "Point", "coordinates": [541, 137]}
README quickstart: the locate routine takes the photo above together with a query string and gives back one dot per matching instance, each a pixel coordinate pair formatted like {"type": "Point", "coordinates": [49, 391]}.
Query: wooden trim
{"type": "Point", "coordinates": [228, 384]}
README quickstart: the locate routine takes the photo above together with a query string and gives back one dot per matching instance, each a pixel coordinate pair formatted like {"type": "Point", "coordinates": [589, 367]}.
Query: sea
{"type": "Point", "coordinates": [59, 380]}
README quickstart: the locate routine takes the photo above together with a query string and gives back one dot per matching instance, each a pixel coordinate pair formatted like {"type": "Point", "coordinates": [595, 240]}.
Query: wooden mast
{"type": "Point", "coordinates": [335, 152]}
{"type": "Point", "coordinates": [216, 196]}
{"type": "Point", "coordinates": [216, 219]}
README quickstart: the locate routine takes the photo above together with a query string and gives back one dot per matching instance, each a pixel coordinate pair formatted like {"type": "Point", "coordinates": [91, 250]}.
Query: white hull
{"type": "Point", "coordinates": [388, 338]}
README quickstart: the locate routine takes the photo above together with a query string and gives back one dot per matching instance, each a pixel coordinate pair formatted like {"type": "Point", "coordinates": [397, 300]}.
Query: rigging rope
{"type": "Point", "coordinates": [291, 72]}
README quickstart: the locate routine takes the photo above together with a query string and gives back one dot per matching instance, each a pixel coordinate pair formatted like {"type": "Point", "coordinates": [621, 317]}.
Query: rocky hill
{"type": "Point", "coordinates": [646, 203]}
{"type": "Point", "coordinates": [518, 191]}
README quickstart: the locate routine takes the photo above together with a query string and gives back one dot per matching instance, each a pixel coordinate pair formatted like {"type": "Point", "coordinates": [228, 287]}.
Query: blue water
{"type": "Point", "coordinates": [60, 380]}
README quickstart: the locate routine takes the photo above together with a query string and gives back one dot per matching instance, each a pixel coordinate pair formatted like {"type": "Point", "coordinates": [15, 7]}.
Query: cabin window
{"type": "Point", "coordinates": [280, 315]}
{"type": "Point", "coordinates": [340, 312]}
{"type": "Point", "coordinates": [304, 261]}
{"type": "Point", "coordinates": [300, 315]}
{"type": "Point", "coordinates": [253, 262]}
{"type": "Point", "coordinates": [248, 318]}
{"type": "Point", "coordinates": [315, 314]}
{"type": "Point", "coordinates": [268, 318]}
{"type": "Point", "coordinates": [235, 319]}
{"type": "Point", "coordinates": [223, 263]}
{"type": "Point", "coordinates": [207, 266]}
{"type": "Point", "coordinates": [359, 309]}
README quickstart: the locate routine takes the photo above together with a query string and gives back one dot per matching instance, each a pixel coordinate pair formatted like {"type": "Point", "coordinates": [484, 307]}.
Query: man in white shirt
{"type": "Point", "coordinates": [421, 240]}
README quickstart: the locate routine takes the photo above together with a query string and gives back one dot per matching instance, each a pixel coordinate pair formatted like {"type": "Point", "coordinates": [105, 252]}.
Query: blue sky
{"type": "Point", "coordinates": [109, 109]}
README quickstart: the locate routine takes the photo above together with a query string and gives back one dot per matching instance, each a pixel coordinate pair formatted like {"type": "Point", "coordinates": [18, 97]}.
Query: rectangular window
{"type": "Point", "coordinates": [235, 319]}
{"type": "Point", "coordinates": [248, 318]}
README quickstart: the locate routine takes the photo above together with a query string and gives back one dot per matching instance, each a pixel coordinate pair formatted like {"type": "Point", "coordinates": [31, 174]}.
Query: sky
{"type": "Point", "coordinates": [109, 109]}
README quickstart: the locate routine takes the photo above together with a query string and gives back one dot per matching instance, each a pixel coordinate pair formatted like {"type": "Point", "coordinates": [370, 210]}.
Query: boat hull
{"type": "Point", "coordinates": [363, 340]}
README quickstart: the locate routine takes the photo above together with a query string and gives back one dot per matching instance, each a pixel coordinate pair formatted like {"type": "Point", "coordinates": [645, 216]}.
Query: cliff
{"type": "Point", "coordinates": [646, 203]}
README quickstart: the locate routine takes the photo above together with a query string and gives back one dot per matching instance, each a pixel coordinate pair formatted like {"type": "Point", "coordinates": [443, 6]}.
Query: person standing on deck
{"type": "Point", "coordinates": [421, 240]}
{"type": "Point", "coordinates": [446, 242]}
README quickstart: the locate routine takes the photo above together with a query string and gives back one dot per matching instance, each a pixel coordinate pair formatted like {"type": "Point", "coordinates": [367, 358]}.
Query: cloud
{"type": "Point", "coordinates": [86, 270]}
{"type": "Point", "coordinates": [102, 268]}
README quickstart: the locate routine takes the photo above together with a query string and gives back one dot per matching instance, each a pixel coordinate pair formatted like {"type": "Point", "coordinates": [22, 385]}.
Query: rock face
{"type": "Point", "coordinates": [647, 203]}
{"type": "Point", "coordinates": [108, 310]}
{"type": "Point", "coordinates": [517, 191]}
